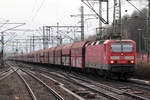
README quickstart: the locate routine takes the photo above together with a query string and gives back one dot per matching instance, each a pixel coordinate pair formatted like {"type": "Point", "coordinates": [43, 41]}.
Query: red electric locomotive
{"type": "Point", "coordinates": [111, 57]}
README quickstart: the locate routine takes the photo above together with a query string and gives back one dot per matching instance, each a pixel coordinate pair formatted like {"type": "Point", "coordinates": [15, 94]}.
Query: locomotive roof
{"type": "Point", "coordinates": [106, 41]}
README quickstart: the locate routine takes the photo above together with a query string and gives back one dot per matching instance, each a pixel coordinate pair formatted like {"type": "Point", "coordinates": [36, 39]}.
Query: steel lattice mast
{"type": "Point", "coordinates": [117, 19]}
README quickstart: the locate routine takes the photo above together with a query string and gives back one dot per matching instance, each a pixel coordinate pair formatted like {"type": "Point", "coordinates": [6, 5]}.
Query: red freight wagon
{"type": "Point", "coordinates": [27, 57]}
{"type": "Point", "coordinates": [40, 56]}
{"type": "Point", "coordinates": [78, 54]}
{"type": "Point", "coordinates": [66, 55]}
{"type": "Point", "coordinates": [46, 58]}
{"type": "Point", "coordinates": [30, 57]}
{"type": "Point", "coordinates": [95, 54]}
{"type": "Point", "coordinates": [36, 57]}
{"type": "Point", "coordinates": [58, 54]}
{"type": "Point", "coordinates": [52, 55]}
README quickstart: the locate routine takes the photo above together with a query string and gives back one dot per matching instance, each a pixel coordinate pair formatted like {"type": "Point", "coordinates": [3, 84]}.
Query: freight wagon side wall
{"type": "Point", "coordinates": [77, 57]}
{"type": "Point", "coordinates": [58, 57]}
{"type": "Point", "coordinates": [51, 57]}
{"type": "Point", "coordinates": [66, 55]}
{"type": "Point", "coordinates": [95, 57]}
{"type": "Point", "coordinates": [78, 54]}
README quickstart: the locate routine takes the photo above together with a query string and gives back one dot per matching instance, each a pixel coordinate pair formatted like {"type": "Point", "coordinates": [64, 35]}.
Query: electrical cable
{"type": "Point", "coordinates": [37, 11]}
{"type": "Point", "coordinates": [136, 8]}
{"type": "Point", "coordinates": [90, 6]}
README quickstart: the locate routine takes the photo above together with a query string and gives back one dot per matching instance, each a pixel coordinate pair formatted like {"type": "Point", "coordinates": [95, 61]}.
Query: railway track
{"type": "Point", "coordinates": [119, 93]}
{"type": "Point", "coordinates": [111, 92]}
{"type": "Point", "coordinates": [130, 90]}
{"type": "Point", "coordinates": [6, 73]}
{"type": "Point", "coordinates": [37, 88]}
{"type": "Point", "coordinates": [109, 89]}
{"type": "Point", "coordinates": [106, 93]}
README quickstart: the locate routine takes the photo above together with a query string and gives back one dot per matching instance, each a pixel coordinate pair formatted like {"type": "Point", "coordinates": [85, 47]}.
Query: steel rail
{"type": "Point", "coordinates": [108, 96]}
{"type": "Point", "coordinates": [28, 87]}
{"type": "Point", "coordinates": [44, 84]}
{"type": "Point", "coordinates": [6, 75]}
{"type": "Point", "coordinates": [106, 87]}
{"type": "Point", "coordinates": [5, 71]}
{"type": "Point", "coordinates": [116, 90]}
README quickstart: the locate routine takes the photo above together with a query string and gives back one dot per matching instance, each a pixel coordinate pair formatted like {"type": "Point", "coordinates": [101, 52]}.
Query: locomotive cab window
{"type": "Point", "coordinates": [121, 47]}
{"type": "Point", "coordinates": [115, 47]}
{"type": "Point", "coordinates": [127, 47]}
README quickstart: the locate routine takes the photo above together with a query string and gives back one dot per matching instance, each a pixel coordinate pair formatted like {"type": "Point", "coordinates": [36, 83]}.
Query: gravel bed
{"type": "Point", "coordinates": [130, 88]}
{"type": "Point", "coordinates": [72, 87]}
{"type": "Point", "coordinates": [126, 86]}
{"type": "Point", "coordinates": [3, 69]}
{"type": "Point", "coordinates": [38, 89]}
{"type": "Point", "coordinates": [55, 87]}
{"type": "Point", "coordinates": [12, 88]}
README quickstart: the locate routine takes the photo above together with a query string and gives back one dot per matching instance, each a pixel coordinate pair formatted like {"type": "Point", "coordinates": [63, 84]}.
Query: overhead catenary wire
{"type": "Point", "coordinates": [136, 8]}
{"type": "Point", "coordinates": [90, 6]}
{"type": "Point", "coordinates": [37, 11]}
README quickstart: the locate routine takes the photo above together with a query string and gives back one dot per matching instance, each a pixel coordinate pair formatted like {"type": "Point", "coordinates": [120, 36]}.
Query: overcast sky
{"type": "Point", "coordinates": [36, 13]}
{"type": "Point", "coordinates": [44, 12]}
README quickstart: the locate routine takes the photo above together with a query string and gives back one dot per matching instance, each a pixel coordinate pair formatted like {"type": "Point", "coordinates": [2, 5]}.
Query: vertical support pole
{"type": "Point", "coordinates": [33, 43]}
{"type": "Point", "coordinates": [52, 37]}
{"type": "Point", "coordinates": [120, 21]}
{"type": "Point", "coordinates": [100, 23]}
{"type": "Point", "coordinates": [57, 33]}
{"type": "Point", "coordinates": [44, 37]}
{"type": "Point", "coordinates": [117, 18]}
{"type": "Point", "coordinates": [26, 46]}
{"type": "Point", "coordinates": [30, 45]}
{"type": "Point", "coordinates": [17, 47]}
{"type": "Point", "coordinates": [148, 34]}
{"type": "Point", "coordinates": [139, 41]}
{"type": "Point", "coordinates": [2, 52]}
{"type": "Point", "coordinates": [108, 11]}
{"type": "Point", "coordinates": [13, 49]}
{"type": "Point", "coordinates": [82, 23]}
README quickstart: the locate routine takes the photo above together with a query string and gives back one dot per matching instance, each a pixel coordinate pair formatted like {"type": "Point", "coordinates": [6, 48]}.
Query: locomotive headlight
{"type": "Point", "coordinates": [114, 57]}
{"type": "Point", "coordinates": [112, 62]}
{"type": "Point", "coordinates": [131, 61]}
{"type": "Point", "coordinates": [129, 57]}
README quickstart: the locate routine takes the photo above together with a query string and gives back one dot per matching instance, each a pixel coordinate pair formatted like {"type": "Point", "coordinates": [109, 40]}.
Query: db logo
{"type": "Point", "coordinates": [121, 61]}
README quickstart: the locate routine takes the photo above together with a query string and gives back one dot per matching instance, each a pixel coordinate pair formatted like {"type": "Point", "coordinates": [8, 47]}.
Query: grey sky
{"type": "Point", "coordinates": [51, 12]}
{"type": "Point", "coordinates": [36, 13]}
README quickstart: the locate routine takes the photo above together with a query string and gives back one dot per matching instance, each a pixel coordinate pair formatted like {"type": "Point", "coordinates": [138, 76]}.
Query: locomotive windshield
{"type": "Point", "coordinates": [121, 47]}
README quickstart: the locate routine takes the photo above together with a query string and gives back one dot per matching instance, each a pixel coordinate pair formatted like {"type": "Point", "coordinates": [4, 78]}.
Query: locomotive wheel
{"type": "Point", "coordinates": [99, 72]}
{"type": "Point", "coordinates": [106, 75]}
{"type": "Point", "coordinates": [119, 76]}
{"type": "Point", "coordinates": [125, 77]}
